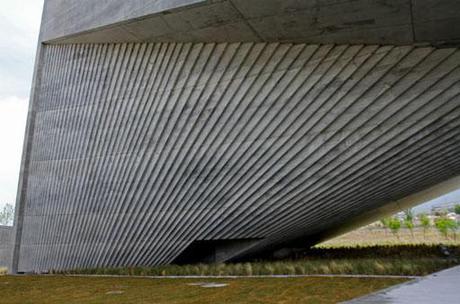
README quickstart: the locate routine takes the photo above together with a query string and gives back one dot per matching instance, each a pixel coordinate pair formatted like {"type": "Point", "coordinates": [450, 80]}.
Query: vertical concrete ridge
{"type": "Point", "coordinates": [21, 197]}
{"type": "Point", "coordinates": [6, 245]}
{"type": "Point", "coordinates": [141, 149]}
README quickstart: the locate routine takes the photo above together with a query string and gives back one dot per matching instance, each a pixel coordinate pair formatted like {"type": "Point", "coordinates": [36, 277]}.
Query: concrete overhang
{"type": "Point", "coordinates": [398, 22]}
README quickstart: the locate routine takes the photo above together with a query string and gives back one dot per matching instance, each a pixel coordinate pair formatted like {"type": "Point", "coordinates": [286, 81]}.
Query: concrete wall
{"type": "Point", "coordinates": [6, 238]}
{"type": "Point", "coordinates": [321, 21]}
{"type": "Point", "coordinates": [290, 122]}
{"type": "Point", "coordinates": [140, 149]}
{"type": "Point", "coordinates": [70, 17]}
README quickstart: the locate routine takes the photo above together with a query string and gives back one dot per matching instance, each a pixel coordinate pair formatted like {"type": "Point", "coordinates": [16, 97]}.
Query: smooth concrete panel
{"type": "Point", "coordinates": [69, 17]}
{"type": "Point", "coordinates": [436, 20]}
{"type": "Point", "coordinates": [341, 22]}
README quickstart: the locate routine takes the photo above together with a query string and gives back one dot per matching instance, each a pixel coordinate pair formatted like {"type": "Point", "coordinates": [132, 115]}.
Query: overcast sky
{"type": "Point", "coordinates": [19, 26]}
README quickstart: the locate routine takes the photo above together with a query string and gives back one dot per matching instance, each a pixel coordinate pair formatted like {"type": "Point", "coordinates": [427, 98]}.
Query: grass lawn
{"type": "Point", "coordinates": [60, 289]}
{"type": "Point", "coordinates": [369, 236]}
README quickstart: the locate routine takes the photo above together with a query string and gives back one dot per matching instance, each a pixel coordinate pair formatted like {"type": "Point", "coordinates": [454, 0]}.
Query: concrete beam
{"type": "Point", "coordinates": [340, 22]}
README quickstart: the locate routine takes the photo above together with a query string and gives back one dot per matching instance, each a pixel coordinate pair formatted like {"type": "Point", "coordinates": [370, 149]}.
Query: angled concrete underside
{"type": "Point", "coordinates": [137, 152]}
{"type": "Point", "coordinates": [140, 149]}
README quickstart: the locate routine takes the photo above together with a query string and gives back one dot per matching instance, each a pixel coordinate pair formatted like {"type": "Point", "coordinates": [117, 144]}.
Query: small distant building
{"type": "Point", "coordinates": [400, 215]}
{"type": "Point", "coordinates": [452, 216]}
{"type": "Point", "coordinates": [432, 218]}
{"type": "Point", "coordinates": [444, 208]}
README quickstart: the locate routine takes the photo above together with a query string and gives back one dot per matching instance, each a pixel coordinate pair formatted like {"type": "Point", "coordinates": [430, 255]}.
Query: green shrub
{"type": "Point", "coordinates": [394, 225]}
{"type": "Point", "coordinates": [457, 209]}
{"type": "Point", "coordinates": [268, 269]}
{"type": "Point", "coordinates": [247, 269]}
{"type": "Point", "coordinates": [425, 223]}
{"type": "Point", "coordinates": [299, 270]}
{"type": "Point", "coordinates": [444, 225]}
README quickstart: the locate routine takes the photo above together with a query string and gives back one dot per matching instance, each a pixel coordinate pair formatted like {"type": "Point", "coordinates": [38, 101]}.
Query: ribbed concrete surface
{"type": "Point", "coordinates": [6, 237]}
{"type": "Point", "coordinates": [140, 149]}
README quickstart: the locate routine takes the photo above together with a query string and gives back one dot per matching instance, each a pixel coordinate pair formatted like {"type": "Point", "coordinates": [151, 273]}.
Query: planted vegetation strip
{"type": "Point", "coordinates": [370, 266]}
{"type": "Point", "coordinates": [400, 260]}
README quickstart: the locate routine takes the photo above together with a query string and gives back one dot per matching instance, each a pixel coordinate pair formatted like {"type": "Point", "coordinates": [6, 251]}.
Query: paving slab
{"type": "Point", "coordinates": [441, 287]}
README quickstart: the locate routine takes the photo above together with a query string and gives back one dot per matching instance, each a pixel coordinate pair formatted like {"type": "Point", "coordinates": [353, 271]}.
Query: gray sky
{"type": "Point", "coordinates": [19, 26]}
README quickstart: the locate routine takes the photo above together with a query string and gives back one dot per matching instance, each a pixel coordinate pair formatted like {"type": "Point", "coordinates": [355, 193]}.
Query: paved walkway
{"type": "Point", "coordinates": [243, 277]}
{"type": "Point", "coordinates": [439, 288]}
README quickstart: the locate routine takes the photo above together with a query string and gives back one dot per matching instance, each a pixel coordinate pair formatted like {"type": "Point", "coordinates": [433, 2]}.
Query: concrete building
{"type": "Point", "coordinates": [175, 131]}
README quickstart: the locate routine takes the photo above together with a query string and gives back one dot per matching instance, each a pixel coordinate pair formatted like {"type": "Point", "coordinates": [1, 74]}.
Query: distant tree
{"type": "Point", "coordinates": [394, 224]}
{"type": "Point", "coordinates": [425, 223]}
{"type": "Point", "coordinates": [7, 215]}
{"type": "Point", "coordinates": [409, 221]}
{"type": "Point", "coordinates": [457, 209]}
{"type": "Point", "coordinates": [444, 225]}
{"type": "Point", "coordinates": [409, 215]}
{"type": "Point", "coordinates": [409, 225]}
{"type": "Point", "coordinates": [385, 223]}
{"type": "Point", "coordinates": [440, 212]}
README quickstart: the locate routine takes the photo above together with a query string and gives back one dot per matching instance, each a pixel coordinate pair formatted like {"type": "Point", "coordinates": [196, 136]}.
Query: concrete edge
{"type": "Point", "coordinates": [351, 276]}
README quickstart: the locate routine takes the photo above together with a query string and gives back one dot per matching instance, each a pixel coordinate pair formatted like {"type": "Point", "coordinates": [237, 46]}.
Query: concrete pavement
{"type": "Point", "coordinates": [441, 287]}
